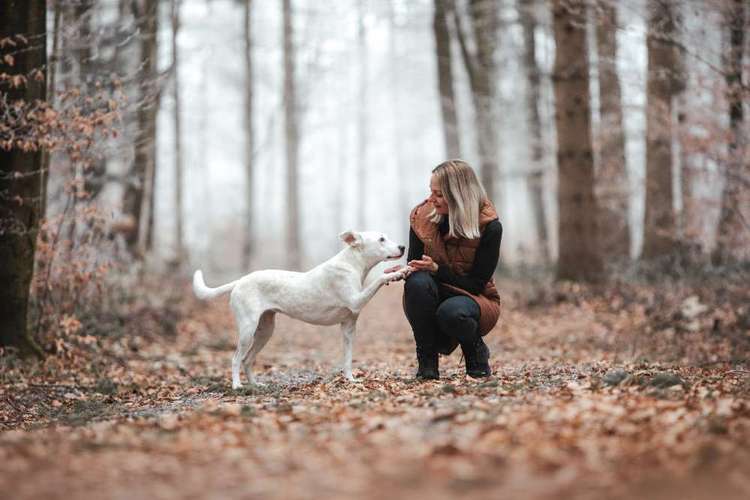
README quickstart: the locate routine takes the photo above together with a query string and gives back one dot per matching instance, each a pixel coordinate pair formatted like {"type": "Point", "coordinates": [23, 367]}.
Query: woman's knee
{"type": "Point", "coordinates": [419, 283]}
{"type": "Point", "coordinates": [458, 316]}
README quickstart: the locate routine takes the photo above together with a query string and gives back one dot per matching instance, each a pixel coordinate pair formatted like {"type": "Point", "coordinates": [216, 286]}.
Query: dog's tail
{"type": "Point", "coordinates": [204, 292]}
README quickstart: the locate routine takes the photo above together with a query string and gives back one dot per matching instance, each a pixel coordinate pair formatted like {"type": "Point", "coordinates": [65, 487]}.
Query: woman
{"type": "Point", "coordinates": [450, 297]}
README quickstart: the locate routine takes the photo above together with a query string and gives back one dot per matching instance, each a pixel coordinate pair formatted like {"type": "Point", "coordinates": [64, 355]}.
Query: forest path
{"type": "Point", "coordinates": [555, 420]}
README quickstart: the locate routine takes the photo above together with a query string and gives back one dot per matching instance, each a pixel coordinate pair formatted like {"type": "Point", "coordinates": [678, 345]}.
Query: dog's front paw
{"type": "Point", "coordinates": [390, 277]}
{"type": "Point", "coordinates": [402, 273]}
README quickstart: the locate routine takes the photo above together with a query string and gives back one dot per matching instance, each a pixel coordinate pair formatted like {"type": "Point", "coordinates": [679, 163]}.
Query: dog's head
{"type": "Point", "coordinates": [374, 246]}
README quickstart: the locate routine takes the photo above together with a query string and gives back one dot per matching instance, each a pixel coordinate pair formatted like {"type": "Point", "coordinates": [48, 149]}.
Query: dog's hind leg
{"type": "Point", "coordinates": [348, 329]}
{"type": "Point", "coordinates": [247, 322]}
{"type": "Point", "coordinates": [262, 335]}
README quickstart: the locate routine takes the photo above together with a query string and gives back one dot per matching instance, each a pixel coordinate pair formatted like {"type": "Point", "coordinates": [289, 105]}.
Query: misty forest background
{"type": "Point", "coordinates": [142, 139]}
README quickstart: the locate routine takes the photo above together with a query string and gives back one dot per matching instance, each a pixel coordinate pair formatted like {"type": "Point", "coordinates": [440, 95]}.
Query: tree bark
{"type": "Point", "coordinates": [732, 242]}
{"type": "Point", "coordinates": [533, 97]}
{"type": "Point", "coordinates": [444, 8]}
{"type": "Point", "coordinates": [138, 197]}
{"type": "Point", "coordinates": [248, 246]}
{"type": "Point", "coordinates": [662, 84]}
{"type": "Point", "coordinates": [579, 257]}
{"type": "Point", "coordinates": [291, 128]}
{"type": "Point", "coordinates": [482, 72]}
{"type": "Point", "coordinates": [177, 120]}
{"type": "Point", "coordinates": [21, 171]}
{"type": "Point", "coordinates": [611, 177]}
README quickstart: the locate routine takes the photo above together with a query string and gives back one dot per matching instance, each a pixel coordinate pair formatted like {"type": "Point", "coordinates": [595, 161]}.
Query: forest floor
{"type": "Point", "coordinates": [623, 394]}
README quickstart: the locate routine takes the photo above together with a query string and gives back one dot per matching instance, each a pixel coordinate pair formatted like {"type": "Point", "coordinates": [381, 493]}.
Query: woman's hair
{"type": "Point", "coordinates": [464, 194]}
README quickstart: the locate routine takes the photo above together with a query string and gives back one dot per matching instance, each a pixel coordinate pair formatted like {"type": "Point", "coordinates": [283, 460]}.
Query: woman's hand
{"type": "Point", "coordinates": [424, 264]}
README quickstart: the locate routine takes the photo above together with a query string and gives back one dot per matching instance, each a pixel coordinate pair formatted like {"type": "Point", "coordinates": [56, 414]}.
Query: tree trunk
{"type": "Point", "coordinates": [732, 242]}
{"type": "Point", "coordinates": [248, 247]}
{"type": "Point", "coordinates": [612, 191]}
{"type": "Point", "coordinates": [361, 179]}
{"type": "Point", "coordinates": [137, 200]}
{"type": "Point", "coordinates": [291, 128]}
{"type": "Point", "coordinates": [482, 72]}
{"type": "Point", "coordinates": [533, 93]}
{"type": "Point", "coordinates": [50, 92]}
{"type": "Point", "coordinates": [443, 8]}
{"type": "Point", "coordinates": [178, 170]}
{"type": "Point", "coordinates": [21, 174]}
{"type": "Point", "coordinates": [82, 15]}
{"type": "Point", "coordinates": [659, 226]}
{"type": "Point", "coordinates": [579, 257]}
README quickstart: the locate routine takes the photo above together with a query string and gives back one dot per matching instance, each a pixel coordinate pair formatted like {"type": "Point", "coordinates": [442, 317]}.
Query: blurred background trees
{"type": "Point", "coordinates": [232, 135]}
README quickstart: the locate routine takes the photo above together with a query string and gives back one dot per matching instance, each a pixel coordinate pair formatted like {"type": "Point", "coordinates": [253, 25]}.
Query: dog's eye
{"type": "Point", "coordinates": [382, 240]}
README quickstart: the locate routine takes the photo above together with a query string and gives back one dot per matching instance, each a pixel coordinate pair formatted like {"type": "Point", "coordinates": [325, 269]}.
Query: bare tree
{"type": "Point", "coordinates": [23, 28]}
{"type": "Point", "coordinates": [536, 176]}
{"type": "Point", "coordinates": [291, 129]}
{"type": "Point", "coordinates": [362, 119]}
{"type": "Point", "coordinates": [482, 70]}
{"type": "Point", "coordinates": [579, 257]}
{"type": "Point", "coordinates": [177, 120]}
{"type": "Point", "coordinates": [733, 241]}
{"type": "Point", "coordinates": [138, 197]}
{"type": "Point", "coordinates": [248, 246]}
{"type": "Point", "coordinates": [611, 176]}
{"type": "Point", "coordinates": [663, 83]}
{"type": "Point", "coordinates": [441, 31]}
{"type": "Point", "coordinates": [81, 14]}
{"type": "Point", "coordinates": [50, 92]}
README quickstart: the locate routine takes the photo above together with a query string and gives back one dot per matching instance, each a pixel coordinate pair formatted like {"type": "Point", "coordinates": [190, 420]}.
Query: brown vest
{"type": "Point", "coordinates": [458, 255]}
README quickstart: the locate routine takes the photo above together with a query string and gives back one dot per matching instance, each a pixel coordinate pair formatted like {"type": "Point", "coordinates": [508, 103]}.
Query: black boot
{"type": "Point", "coordinates": [477, 357]}
{"type": "Point", "coordinates": [428, 364]}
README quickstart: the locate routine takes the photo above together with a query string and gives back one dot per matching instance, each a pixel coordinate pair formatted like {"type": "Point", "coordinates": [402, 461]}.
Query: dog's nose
{"type": "Point", "coordinates": [401, 247]}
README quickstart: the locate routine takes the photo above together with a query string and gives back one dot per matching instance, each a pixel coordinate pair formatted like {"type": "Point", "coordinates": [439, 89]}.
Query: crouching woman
{"type": "Point", "coordinates": [450, 298]}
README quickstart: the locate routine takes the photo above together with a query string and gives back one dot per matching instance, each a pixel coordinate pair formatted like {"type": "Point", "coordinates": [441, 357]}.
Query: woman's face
{"type": "Point", "coordinates": [436, 196]}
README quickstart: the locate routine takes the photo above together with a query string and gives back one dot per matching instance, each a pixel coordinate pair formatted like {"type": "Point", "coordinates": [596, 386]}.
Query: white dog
{"type": "Point", "coordinates": [330, 293]}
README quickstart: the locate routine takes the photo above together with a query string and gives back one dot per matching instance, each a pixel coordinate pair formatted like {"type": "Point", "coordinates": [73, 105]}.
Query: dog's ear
{"type": "Point", "coordinates": [351, 238]}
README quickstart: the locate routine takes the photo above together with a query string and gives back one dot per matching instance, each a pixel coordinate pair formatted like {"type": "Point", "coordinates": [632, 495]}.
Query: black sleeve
{"type": "Point", "coordinates": [485, 262]}
{"type": "Point", "coordinates": [416, 247]}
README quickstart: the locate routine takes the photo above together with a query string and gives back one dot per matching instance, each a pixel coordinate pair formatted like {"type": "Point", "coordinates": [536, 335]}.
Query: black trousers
{"type": "Point", "coordinates": [439, 319]}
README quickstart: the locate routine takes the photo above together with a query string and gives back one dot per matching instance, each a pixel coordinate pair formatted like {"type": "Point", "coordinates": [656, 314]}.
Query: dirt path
{"type": "Point", "coordinates": [554, 421]}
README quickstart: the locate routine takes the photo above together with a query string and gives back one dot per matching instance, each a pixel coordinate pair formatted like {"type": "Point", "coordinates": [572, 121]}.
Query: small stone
{"type": "Point", "coordinates": [614, 377]}
{"type": "Point", "coordinates": [665, 380]}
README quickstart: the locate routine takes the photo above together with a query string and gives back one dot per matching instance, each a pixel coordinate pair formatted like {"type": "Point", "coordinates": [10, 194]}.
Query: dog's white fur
{"type": "Point", "coordinates": [333, 292]}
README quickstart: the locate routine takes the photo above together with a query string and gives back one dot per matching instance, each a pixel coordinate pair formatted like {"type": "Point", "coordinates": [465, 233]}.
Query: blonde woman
{"type": "Point", "coordinates": [450, 297]}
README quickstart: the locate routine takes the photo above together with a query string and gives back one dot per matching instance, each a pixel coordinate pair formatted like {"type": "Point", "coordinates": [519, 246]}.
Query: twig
{"type": "Point", "coordinates": [738, 371]}
{"type": "Point", "coordinates": [57, 386]}
{"type": "Point", "coordinates": [12, 404]}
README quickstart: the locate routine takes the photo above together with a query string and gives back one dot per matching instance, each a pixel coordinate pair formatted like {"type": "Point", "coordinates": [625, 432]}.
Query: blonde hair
{"type": "Point", "coordinates": [464, 194]}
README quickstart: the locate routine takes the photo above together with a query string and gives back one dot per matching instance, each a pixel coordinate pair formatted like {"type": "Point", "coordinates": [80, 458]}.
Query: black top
{"type": "Point", "coordinates": [485, 258]}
